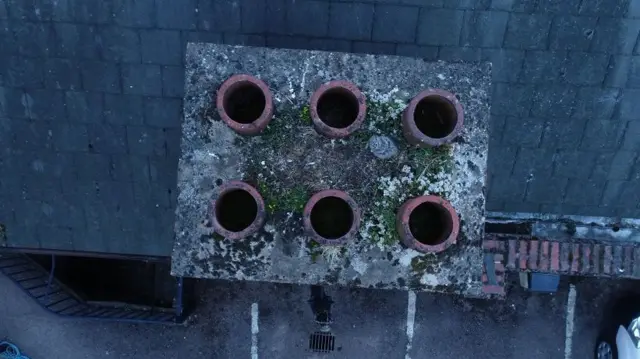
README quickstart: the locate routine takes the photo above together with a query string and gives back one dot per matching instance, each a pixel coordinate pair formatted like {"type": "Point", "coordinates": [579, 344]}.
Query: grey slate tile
{"type": "Point", "coordinates": [596, 102]}
{"type": "Point", "coordinates": [200, 36]}
{"type": "Point", "coordinates": [527, 6]}
{"type": "Point", "coordinates": [162, 47]}
{"type": "Point", "coordinates": [7, 39]}
{"type": "Point", "coordinates": [634, 9]}
{"type": "Point", "coordinates": [140, 79]}
{"type": "Point", "coordinates": [572, 32]}
{"type": "Point", "coordinates": [264, 16]}
{"type": "Point", "coordinates": [563, 133]}
{"type": "Point", "coordinates": [507, 188]}
{"type": "Point", "coordinates": [618, 71]}
{"type": "Point", "coordinates": [3, 10]}
{"type": "Point", "coordinates": [617, 36]}
{"type": "Point", "coordinates": [62, 74]}
{"type": "Point", "coordinates": [85, 107]}
{"type": "Point", "coordinates": [163, 170]}
{"type": "Point", "coordinates": [526, 31]}
{"type": "Point", "coordinates": [632, 136]}
{"type": "Point", "coordinates": [553, 101]}
{"type": "Point", "coordinates": [246, 40]}
{"type": "Point", "coordinates": [634, 72]}
{"type": "Point", "coordinates": [353, 21]}
{"type": "Point", "coordinates": [100, 76]}
{"type": "Point", "coordinates": [523, 207]}
{"type": "Point", "coordinates": [586, 68]}
{"type": "Point", "coordinates": [173, 81]}
{"type": "Point", "coordinates": [468, 4]}
{"type": "Point", "coordinates": [17, 71]}
{"type": "Point", "coordinates": [584, 192]}
{"type": "Point", "coordinates": [162, 112]}
{"type": "Point", "coordinates": [496, 127]}
{"type": "Point", "coordinates": [130, 168]}
{"type": "Point", "coordinates": [107, 138]}
{"type": "Point", "coordinates": [383, 48]}
{"type": "Point", "coordinates": [145, 141]}
{"type": "Point", "coordinates": [91, 11]}
{"type": "Point", "coordinates": [546, 190]}
{"type": "Point", "coordinates": [120, 44]}
{"type": "Point", "coordinates": [615, 8]}
{"type": "Point", "coordinates": [506, 64]}
{"type": "Point", "coordinates": [92, 166]}
{"type": "Point", "coordinates": [484, 28]}
{"type": "Point", "coordinates": [523, 132]}
{"type": "Point", "coordinates": [12, 103]}
{"type": "Point", "coordinates": [622, 165]}
{"type": "Point", "coordinates": [425, 52]}
{"type": "Point", "coordinates": [77, 41]}
{"type": "Point", "coordinates": [222, 15]}
{"type": "Point", "coordinates": [309, 18]}
{"type": "Point", "coordinates": [440, 27]}
{"type": "Point", "coordinates": [288, 42]}
{"type": "Point", "coordinates": [70, 137]}
{"type": "Point", "coordinates": [511, 99]}
{"type": "Point", "coordinates": [32, 10]}
{"type": "Point", "coordinates": [614, 165]}
{"type": "Point", "coordinates": [543, 66]}
{"type": "Point", "coordinates": [577, 164]}
{"type": "Point", "coordinates": [330, 45]}
{"type": "Point", "coordinates": [534, 163]}
{"type": "Point", "coordinates": [460, 54]}
{"type": "Point", "coordinates": [394, 23]}
{"type": "Point", "coordinates": [31, 136]}
{"type": "Point", "coordinates": [629, 104]}
{"type": "Point", "coordinates": [33, 39]}
{"type": "Point", "coordinates": [134, 13]}
{"type": "Point", "coordinates": [172, 14]}
{"type": "Point", "coordinates": [603, 134]}
{"type": "Point", "coordinates": [559, 6]}
{"type": "Point", "coordinates": [45, 104]}
{"type": "Point", "coordinates": [123, 109]}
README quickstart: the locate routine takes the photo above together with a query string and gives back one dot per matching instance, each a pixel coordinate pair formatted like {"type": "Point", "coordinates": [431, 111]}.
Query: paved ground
{"type": "Point", "coordinates": [369, 324]}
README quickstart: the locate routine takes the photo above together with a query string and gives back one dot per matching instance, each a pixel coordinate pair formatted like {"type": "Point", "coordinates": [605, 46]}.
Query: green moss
{"type": "Point", "coordinates": [423, 263]}
{"type": "Point", "coordinates": [314, 250]}
{"type": "Point", "coordinates": [217, 237]}
{"type": "Point", "coordinates": [283, 200]}
{"type": "Point", "coordinates": [305, 115]}
{"type": "Point", "coordinates": [431, 160]}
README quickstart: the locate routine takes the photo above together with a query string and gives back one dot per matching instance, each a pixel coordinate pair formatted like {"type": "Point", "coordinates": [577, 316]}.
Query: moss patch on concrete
{"type": "Point", "coordinates": [289, 162]}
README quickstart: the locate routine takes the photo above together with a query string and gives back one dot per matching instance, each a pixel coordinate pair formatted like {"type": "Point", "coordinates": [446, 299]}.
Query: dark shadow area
{"type": "Point", "coordinates": [331, 217]}
{"type": "Point", "coordinates": [435, 116]}
{"type": "Point", "coordinates": [244, 102]}
{"type": "Point", "coordinates": [338, 108]}
{"type": "Point", "coordinates": [236, 210]}
{"type": "Point", "coordinates": [134, 282]}
{"type": "Point", "coordinates": [430, 223]}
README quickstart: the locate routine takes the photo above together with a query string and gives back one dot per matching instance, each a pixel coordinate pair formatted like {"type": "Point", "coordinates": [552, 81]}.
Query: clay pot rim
{"type": "Point", "coordinates": [334, 132]}
{"type": "Point", "coordinates": [257, 222]}
{"type": "Point", "coordinates": [407, 236]}
{"type": "Point", "coordinates": [306, 217]}
{"type": "Point", "coordinates": [261, 122]}
{"type": "Point", "coordinates": [419, 135]}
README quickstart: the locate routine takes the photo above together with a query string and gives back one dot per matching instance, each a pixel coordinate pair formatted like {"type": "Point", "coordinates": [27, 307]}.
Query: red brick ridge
{"type": "Point", "coordinates": [544, 255]}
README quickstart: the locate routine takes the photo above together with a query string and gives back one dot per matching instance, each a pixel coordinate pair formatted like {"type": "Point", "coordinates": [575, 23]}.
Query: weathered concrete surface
{"type": "Point", "coordinates": [212, 154]}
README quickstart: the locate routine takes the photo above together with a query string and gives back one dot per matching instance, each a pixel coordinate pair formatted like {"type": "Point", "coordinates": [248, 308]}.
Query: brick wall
{"type": "Point", "coordinates": [90, 100]}
{"type": "Point", "coordinates": [578, 257]}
